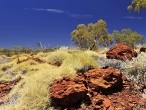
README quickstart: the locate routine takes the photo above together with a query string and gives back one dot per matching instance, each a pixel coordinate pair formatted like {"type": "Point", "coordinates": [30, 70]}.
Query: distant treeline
{"type": "Point", "coordinates": [26, 50]}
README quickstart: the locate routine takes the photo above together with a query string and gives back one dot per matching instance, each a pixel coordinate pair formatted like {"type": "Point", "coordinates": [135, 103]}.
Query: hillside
{"type": "Point", "coordinates": [26, 80]}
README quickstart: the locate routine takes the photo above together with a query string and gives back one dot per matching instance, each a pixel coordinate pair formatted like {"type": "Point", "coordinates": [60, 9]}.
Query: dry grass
{"type": "Point", "coordinates": [102, 52]}
{"type": "Point", "coordinates": [56, 57]}
{"type": "Point", "coordinates": [33, 89]}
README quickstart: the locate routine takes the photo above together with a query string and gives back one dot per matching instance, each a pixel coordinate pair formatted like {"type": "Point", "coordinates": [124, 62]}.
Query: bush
{"type": "Point", "coordinates": [136, 69]}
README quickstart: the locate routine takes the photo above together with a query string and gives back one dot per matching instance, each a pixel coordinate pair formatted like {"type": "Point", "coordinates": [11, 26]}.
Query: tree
{"type": "Point", "coordinates": [136, 5]}
{"type": "Point", "coordinates": [91, 35]}
{"type": "Point", "coordinates": [100, 29]}
{"type": "Point", "coordinates": [82, 36]}
{"type": "Point", "coordinates": [128, 37]}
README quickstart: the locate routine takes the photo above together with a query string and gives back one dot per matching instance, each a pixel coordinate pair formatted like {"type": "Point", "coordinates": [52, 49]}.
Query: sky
{"type": "Point", "coordinates": [27, 22]}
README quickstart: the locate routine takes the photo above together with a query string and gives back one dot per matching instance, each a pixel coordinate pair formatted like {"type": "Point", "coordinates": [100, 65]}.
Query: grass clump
{"type": "Point", "coordinates": [57, 57]}
{"type": "Point", "coordinates": [33, 89]}
{"type": "Point", "coordinates": [79, 60]}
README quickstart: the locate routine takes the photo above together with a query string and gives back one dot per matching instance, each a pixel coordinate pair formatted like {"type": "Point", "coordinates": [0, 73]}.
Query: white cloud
{"type": "Point", "coordinates": [55, 10]}
{"type": "Point", "coordinates": [49, 10]}
{"type": "Point", "coordinates": [133, 17]}
{"type": "Point", "coordinates": [59, 11]}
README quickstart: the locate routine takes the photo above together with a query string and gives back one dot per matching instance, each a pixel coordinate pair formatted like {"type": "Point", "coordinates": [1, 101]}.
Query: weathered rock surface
{"type": "Point", "coordinates": [97, 89]}
{"type": "Point", "coordinates": [121, 52]}
{"type": "Point", "coordinates": [67, 92]}
{"type": "Point", "coordinates": [103, 79]}
{"type": "Point", "coordinates": [5, 88]}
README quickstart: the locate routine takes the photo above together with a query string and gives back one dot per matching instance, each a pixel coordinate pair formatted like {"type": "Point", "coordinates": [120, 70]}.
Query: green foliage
{"type": "Point", "coordinates": [82, 37]}
{"type": "Point", "coordinates": [128, 37]}
{"type": "Point", "coordinates": [100, 32]}
{"type": "Point", "coordinates": [26, 50]}
{"type": "Point", "coordinates": [7, 52]}
{"type": "Point", "coordinates": [137, 5]}
{"type": "Point", "coordinates": [91, 35]}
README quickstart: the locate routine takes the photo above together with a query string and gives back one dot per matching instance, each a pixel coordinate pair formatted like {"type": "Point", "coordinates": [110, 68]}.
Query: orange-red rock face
{"type": "Point", "coordinates": [5, 88]}
{"type": "Point", "coordinates": [97, 89]}
{"type": "Point", "coordinates": [103, 79]}
{"type": "Point", "coordinates": [66, 92]}
{"type": "Point", "coordinates": [121, 52]}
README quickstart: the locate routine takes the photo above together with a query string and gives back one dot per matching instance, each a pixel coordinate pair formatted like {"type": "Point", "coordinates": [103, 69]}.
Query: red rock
{"type": "Point", "coordinates": [89, 88]}
{"type": "Point", "coordinates": [2, 86]}
{"type": "Point", "coordinates": [104, 78]}
{"type": "Point", "coordinates": [121, 52]}
{"type": "Point", "coordinates": [107, 103]}
{"type": "Point", "coordinates": [67, 92]}
{"type": "Point", "coordinates": [5, 88]}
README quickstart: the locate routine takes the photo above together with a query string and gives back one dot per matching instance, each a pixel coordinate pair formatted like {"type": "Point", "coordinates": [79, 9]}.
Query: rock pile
{"type": "Point", "coordinates": [97, 89]}
{"type": "Point", "coordinates": [121, 52]}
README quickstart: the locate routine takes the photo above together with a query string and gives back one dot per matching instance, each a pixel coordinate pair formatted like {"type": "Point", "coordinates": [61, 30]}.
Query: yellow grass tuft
{"type": "Point", "coordinates": [33, 89]}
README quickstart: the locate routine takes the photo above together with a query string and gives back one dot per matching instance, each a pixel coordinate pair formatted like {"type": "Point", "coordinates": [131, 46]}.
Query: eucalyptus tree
{"type": "Point", "coordinates": [128, 37]}
{"type": "Point", "coordinates": [137, 5]}
{"type": "Point", "coordinates": [92, 35]}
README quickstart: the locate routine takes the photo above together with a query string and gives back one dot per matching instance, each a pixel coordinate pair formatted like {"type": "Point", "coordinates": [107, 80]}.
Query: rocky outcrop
{"type": "Point", "coordinates": [121, 52]}
{"type": "Point", "coordinates": [103, 79]}
{"type": "Point", "coordinates": [67, 92]}
{"type": "Point", "coordinates": [96, 89]}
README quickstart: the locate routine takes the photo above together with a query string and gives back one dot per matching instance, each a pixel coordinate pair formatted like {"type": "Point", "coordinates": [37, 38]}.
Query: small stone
{"type": "Point", "coordinates": [107, 103]}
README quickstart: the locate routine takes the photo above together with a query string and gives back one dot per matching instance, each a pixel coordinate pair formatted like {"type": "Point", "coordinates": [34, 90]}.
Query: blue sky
{"type": "Point", "coordinates": [26, 22]}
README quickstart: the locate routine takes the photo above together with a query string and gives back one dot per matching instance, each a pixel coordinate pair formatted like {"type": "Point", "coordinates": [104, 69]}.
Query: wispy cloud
{"type": "Point", "coordinates": [133, 17]}
{"type": "Point", "coordinates": [49, 10]}
{"type": "Point", "coordinates": [59, 11]}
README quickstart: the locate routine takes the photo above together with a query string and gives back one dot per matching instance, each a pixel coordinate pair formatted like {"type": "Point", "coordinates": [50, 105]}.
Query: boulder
{"type": "Point", "coordinates": [96, 89]}
{"type": "Point", "coordinates": [121, 52]}
{"type": "Point", "coordinates": [67, 92]}
{"type": "Point", "coordinates": [103, 78]}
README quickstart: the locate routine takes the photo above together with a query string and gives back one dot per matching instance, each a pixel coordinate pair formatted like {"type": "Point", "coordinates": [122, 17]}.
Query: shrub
{"type": "Point", "coordinates": [136, 69]}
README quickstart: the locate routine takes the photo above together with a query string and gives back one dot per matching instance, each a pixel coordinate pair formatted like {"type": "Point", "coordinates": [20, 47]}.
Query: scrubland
{"type": "Point", "coordinates": [32, 91]}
